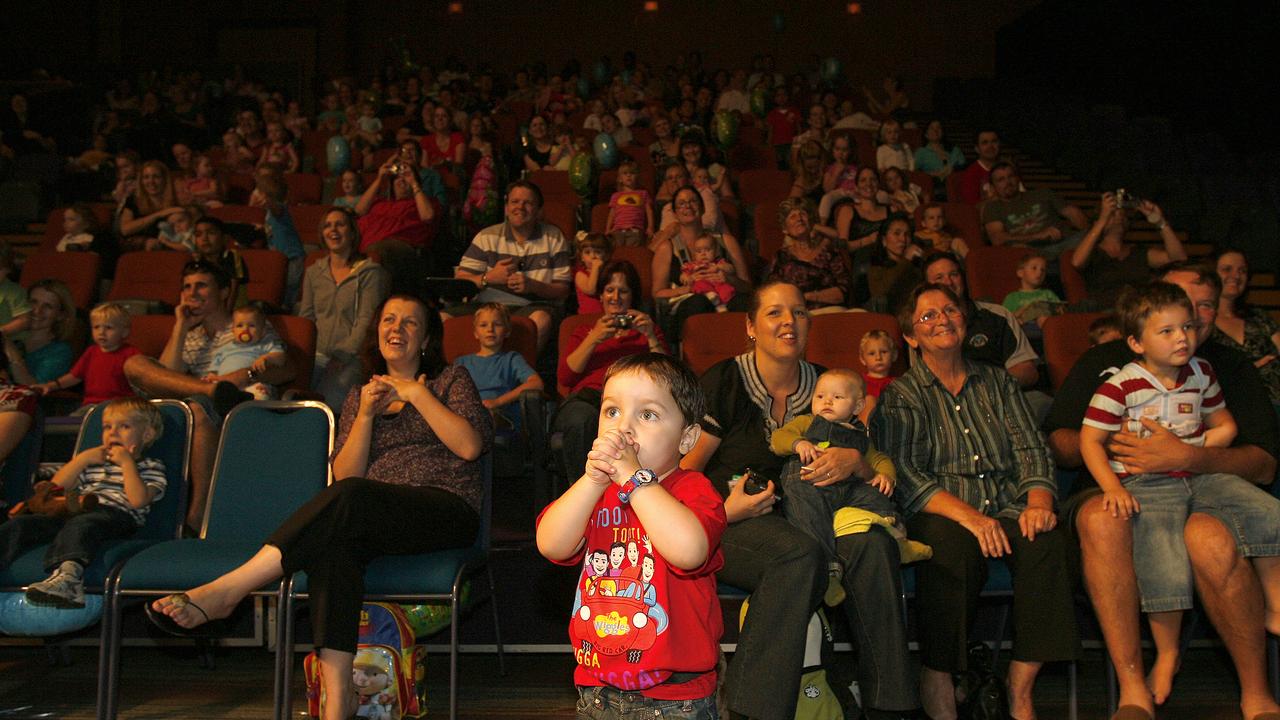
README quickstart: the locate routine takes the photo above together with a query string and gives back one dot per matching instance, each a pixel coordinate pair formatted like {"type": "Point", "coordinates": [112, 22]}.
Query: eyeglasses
{"type": "Point", "coordinates": [931, 317]}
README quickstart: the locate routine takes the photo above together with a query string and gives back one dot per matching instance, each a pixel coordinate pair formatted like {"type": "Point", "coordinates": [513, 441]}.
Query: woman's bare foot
{"type": "Point", "coordinates": [1160, 679]}
{"type": "Point", "coordinates": [196, 607]}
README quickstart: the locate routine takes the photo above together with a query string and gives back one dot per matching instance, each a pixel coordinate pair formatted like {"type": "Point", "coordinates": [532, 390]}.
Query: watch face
{"type": "Point", "coordinates": [644, 477]}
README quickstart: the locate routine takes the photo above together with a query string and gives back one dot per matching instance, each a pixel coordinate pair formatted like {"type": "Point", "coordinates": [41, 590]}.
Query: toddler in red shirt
{"type": "Point", "coordinates": [646, 623]}
{"type": "Point", "coordinates": [101, 367]}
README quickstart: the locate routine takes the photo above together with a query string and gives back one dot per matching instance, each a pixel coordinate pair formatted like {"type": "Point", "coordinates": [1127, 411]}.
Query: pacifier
{"type": "Point", "coordinates": [244, 336]}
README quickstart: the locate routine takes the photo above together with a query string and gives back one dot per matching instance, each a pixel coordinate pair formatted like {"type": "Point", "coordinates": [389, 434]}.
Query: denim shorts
{"type": "Point", "coordinates": [598, 703]}
{"type": "Point", "coordinates": [1249, 512]}
{"type": "Point", "coordinates": [1160, 559]}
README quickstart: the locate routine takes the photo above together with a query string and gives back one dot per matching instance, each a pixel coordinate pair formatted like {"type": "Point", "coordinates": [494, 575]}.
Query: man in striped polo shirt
{"type": "Point", "coordinates": [523, 263]}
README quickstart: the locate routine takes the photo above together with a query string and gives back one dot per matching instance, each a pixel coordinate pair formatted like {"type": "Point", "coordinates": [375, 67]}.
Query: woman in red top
{"type": "Point", "coordinates": [620, 331]}
{"type": "Point", "coordinates": [443, 144]}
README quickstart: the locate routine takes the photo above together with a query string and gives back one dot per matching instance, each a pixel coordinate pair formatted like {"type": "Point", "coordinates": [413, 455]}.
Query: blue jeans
{"type": "Point", "coordinates": [1251, 513]}
{"type": "Point", "coordinates": [1160, 557]}
{"type": "Point", "coordinates": [76, 538]}
{"type": "Point", "coordinates": [597, 703]}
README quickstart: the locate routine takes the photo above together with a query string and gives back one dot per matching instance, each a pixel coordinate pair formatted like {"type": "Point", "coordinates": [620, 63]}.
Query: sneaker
{"type": "Point", "coordinates": [63, 589]}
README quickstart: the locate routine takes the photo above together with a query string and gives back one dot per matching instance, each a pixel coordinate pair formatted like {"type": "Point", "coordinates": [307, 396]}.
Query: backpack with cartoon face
{"type": "Point", "coordinates": [389, 671]}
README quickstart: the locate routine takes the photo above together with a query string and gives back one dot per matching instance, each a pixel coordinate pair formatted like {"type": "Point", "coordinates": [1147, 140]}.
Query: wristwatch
{"type": "Point", "coordinates": [641, 478]}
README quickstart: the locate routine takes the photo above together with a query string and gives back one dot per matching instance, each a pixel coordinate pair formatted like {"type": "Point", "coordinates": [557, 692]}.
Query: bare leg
{"type": "Point", "coordinates": [1106, 548]}
{"type": "Point", "coordinates": [542, 322]}
{"type": "Point", "coordinates": [157, 380]}
{"type": "Point", "coordinates": [339, 692]}
{"type": "Point", "coordinates": [937, 694]}
{"type": "Point", "coordinates": [1233, 601]}
{"type": "Point", "coordinates": [1166, 631]}
{"type": "Point", "coordinates": [1268, 570]}
{"type": "Point", "coordinates": [13, 427]}
{"type": "Point", "coordinates": [204, 448]}
{"type": "Point", "coordinates": [1022, 680]}
{"type": "Point", "coordinates": [219, 597]}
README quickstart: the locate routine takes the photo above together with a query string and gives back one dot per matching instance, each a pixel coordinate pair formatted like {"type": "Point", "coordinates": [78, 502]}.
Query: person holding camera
{"type": "Point", "coordinates": [1109, 263]}
{"type": "Point", "coordinates": [406, 213]}
{"type": "Point", "coordinates": [621, 330]}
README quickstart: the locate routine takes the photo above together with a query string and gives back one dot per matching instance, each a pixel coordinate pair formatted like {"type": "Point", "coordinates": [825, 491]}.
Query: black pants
{"type": "Point", "coordinates": [947, 588]}
{"type": "Point", "coordinates": [578, 422]}
{"type": "Point", "coordinates": [671, 322]}
{"type": "Point", "coordinates": [75, 538]}
{"type": "Point", "coordinates": [336, 533]}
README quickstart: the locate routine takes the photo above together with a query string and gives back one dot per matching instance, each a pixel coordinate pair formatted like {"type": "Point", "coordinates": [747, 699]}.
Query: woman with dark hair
{"type": "Point", "coordinates": [975, 481]}
{"type": "Point", "coordinates": [407, 481]}
{"type": "Point", "coordinates": [693, 153]}
{"type": "Point", "coordinates": [785, 570]}
{"type": "Point", "coordinates": [894, 266]}
{"type": "Point", "coordinates": [340, 293]}
{"type": "Point", "coordinates": [858, 220]}
{"type": "Point", "coordinates": [40, 355]}
{"type": "Point", "coordinates": [620, 330]}
{"type": "Point", "coordinates": [537, 153]}
{"type": "Point", "coordinates": [1248, 329]}
{"type": "Point", "coordinates": [670, 247]}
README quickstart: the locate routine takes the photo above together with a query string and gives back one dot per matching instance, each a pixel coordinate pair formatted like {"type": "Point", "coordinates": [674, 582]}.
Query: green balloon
{"type": "Point", "coordinates": [758, 101]}
{"type": "Point", "coordinates": [580, 173]}
{"type": "Point", "coordinates": [726, 128]}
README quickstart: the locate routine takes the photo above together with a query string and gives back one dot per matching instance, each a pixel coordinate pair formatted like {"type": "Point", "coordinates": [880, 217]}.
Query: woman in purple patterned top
{"type": "Point", "coordinates": [809, 260]}
{"type": "Point", "coordinates": [408, 468]}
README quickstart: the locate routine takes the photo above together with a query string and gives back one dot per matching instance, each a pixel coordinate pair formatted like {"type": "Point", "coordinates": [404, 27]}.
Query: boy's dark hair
{"type": "Point", "coordinates": [628, 271]}
{"type": "Point", "coordinates": [1033, 255]}
{"type": "Point", "coordinates": [675, 375]}
{"type": "Point", "coordinates": [213, 222]}
{"type": "Point", "coordinates": [1101, 325]}
{"type": "Point", "coordinates": [1137, 303]}
{"type": "Point", "coordinates": [143, 409]}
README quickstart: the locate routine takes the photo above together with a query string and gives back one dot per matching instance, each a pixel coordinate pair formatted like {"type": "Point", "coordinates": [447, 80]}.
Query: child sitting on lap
{"type": "Point", "coordinates": [1167, 384]}
{"type": "Point", "coordinates": [124, 485]}
{"type": "Point", "coordinates": [252, 348]}
{"type": "Point", "coordinates": [837, 399]}
{"type": "Point", "coordinates": [645, 631]}
{"type": "Point", "coordinates": [501, 376]}
{"type": "Point", "coordinates": [705, 254]}
{"type": "Point", "coordinates": [101, 367]}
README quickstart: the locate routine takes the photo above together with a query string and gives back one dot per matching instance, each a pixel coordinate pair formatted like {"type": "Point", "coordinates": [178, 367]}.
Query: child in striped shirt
{"type": "Point", "coordinates": [1168, 386]}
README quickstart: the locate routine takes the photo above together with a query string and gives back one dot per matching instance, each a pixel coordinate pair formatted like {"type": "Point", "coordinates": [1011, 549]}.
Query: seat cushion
{"type": "Point", "coordinates": [184, 564]}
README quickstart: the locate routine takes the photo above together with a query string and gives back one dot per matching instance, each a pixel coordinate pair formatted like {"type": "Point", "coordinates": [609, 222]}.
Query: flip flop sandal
{"type": "Point", "coordinates": [1132, 712]}
{"type": "Point", "coordinates": [208, 629]}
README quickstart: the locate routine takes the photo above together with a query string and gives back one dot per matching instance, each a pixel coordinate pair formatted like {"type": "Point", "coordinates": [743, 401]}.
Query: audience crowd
{"type": "Point", "coordinates": [778, 198]}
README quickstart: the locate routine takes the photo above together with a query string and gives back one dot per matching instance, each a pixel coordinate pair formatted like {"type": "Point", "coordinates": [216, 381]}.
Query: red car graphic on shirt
{"type": "Point", "coordinates": [612, 624]}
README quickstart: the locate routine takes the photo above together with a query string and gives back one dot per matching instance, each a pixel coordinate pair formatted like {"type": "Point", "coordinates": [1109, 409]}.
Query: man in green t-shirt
{"type": "Point", "coordinates": [1032, 218]}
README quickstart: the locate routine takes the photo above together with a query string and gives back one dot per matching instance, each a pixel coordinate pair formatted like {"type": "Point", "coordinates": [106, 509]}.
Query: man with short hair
{"type": "Point", "coordinates": [994, 335]}
{"type": "Point", "coordinates": [1232, 533]}
{"type": "Point", "coordinates": [524, 262]}
{"type": "Point", "coordinates": [973, 186]}
{"type": "Point", "coordinates": [202, 325]}
{"type": "Point", "coordinates": [1030, 218]}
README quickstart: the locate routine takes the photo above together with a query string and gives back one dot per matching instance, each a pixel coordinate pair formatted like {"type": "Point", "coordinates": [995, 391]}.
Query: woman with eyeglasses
{"type": "Point", "coordinates": [670, 247]}
{"type": "Point", "coordinates": [975, 482]}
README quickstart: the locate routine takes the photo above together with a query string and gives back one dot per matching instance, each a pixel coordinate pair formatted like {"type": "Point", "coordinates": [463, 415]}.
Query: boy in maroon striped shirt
{"type": "Point", "coordinates": [1169, 385]}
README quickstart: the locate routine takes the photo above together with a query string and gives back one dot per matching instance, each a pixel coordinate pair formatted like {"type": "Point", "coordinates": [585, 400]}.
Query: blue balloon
{"type": "Point", "coordinates": [584, 87]}
{"type": "Point", "coordinates": [20, 618]}
{"type": "Point", "coordinates": [338, 153]}
{"type": "Point", "coordinates": [606, 150]}
{"type": "Point", "coordinates": [600, 73]}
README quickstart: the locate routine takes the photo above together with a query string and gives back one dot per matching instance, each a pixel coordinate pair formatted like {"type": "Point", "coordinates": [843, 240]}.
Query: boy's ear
{"type": "Point", "coordinates": [689, 438]}
{"type": "Point", "coordinates": [1134, 344]}
{"type": "Point", "coordinates": [857, 407]}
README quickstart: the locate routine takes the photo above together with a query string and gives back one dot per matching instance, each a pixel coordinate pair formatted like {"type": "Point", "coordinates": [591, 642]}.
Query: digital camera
{"type": "Point", "coordinates": [622, 321]}
{"type": "Point", "coordinates": [1126, 200]}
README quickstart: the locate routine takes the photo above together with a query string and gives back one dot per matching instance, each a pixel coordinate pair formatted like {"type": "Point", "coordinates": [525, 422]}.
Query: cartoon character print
{"type": "Point", "coordinates": [617, 612]}
{"type": "Point", "coordinates": [371, 673]}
